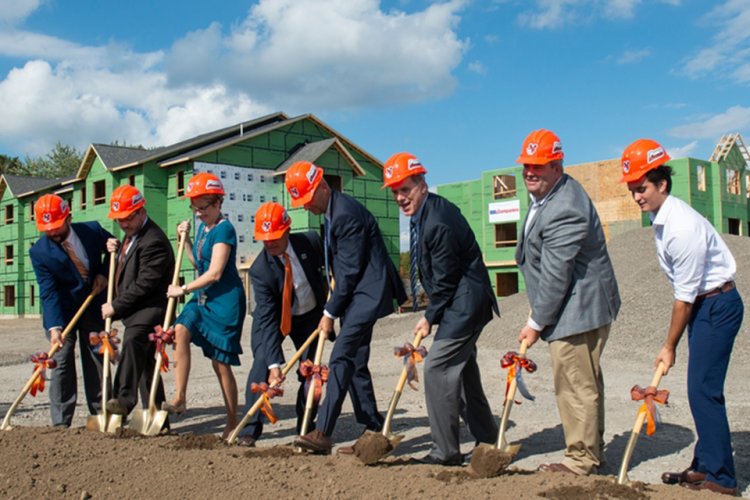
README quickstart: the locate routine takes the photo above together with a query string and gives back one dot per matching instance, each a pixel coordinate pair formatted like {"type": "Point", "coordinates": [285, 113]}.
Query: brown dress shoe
{"type": "Point", "coordinates": [687, 476]}
{"type": "Point", "coordinates": [246, 441]}
{"type": "Point", "coordinates": [315, 441]}
{"type": "Point", "coordinates": [711, 486]}
{"type": "Point", "coordinates": [557, 468]}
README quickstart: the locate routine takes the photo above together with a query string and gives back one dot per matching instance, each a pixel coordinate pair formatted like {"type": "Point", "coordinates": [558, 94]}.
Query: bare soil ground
{"type": "Point", "coordinates": [44, 462]}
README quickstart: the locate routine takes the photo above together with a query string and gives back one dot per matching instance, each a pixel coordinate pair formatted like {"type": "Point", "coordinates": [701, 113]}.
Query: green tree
{"type": "Point", "coordinates": [9, 164]}
{"type": "Point", "coordinates": [62, 161]}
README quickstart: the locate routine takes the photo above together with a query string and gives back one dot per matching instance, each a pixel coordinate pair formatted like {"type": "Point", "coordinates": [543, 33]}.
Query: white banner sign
{"type": "Point", "coordinates": [505, 211]}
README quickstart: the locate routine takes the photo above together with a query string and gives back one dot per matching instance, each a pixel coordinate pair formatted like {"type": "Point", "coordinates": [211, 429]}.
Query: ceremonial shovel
{"type": "Point", "coordinates": [310, 403]}
{"type": "Point", "coordinates": [488, 460]}
{"type": "Point", "coordinates": [150, 421]}
{"type": "Point", "coordinates": [372, 446]}
{"type": "Point", "coordinates": [622, 477]}
{"type": "Point", "coordinates": [26, 388]}
{"type": "Point", "coordinates": [284, 370]}
{"type": "Point", "coordinates": [105, 422]}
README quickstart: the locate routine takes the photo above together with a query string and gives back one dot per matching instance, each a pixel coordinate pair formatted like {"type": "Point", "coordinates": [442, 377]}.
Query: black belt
{"type": "Point", "coordinates": [726, 287]}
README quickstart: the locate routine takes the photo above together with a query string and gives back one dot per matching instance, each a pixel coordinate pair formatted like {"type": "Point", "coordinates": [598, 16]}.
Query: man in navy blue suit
{"type": "Point", "coordinates": [283, 307]}
{"type": "Point", "coordinates": [445, 251]}
{"type": "Point", "coordinates": [366, 285]}
{"type": "Point", "coordinates": [67, 261]}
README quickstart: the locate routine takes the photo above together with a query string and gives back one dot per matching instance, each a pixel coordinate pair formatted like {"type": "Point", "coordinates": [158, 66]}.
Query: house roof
{"type": "Point", "coordinates": [21, 185]}
{"type": "Point", "coordinates": [314, 150]}
{"type": "Point", "coordinates": [189, 155]}
{"type": "Point", "coordinates": [196, 142]}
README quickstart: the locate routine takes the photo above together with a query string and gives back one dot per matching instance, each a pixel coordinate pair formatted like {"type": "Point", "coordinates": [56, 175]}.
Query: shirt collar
{"type": "Point", "coordinates": [418, 215]}
{"type": "Point", "coordinates": [539, 203]}
{"type": "Point", "coordinates": [660, 217]}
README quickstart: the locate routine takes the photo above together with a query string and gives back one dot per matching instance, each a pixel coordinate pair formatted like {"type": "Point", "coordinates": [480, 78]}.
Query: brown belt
{"type": "Point", "coordinates": [726, 287]}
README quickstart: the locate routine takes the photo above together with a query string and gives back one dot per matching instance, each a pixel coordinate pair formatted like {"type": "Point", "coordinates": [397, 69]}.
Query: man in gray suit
{"type": "Point", "coordinates": [456, 281]}
{"type": "Point", "coordinates": [573, 296]}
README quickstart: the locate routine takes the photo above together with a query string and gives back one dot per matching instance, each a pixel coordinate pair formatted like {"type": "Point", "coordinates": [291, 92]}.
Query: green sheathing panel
{"type": "Point", "coordinates": [31, 305]}
{"type": "Point", "coordinates": [90, 208]}
{"type": "Point", "coordinates": [177, 209]}
{"type": "Point", "coordinates": [475, 199]}
{"type": "Point", "coordinates": [11, 272]}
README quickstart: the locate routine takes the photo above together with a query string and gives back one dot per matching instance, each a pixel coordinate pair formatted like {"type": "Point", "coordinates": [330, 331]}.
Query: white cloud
{"type": "Point", "coordinates": [477, 67]}
{"type": "Point", "coordinates": [330, 54]}
{"type": "Point", "coordinates": [633, 56]}
{"type": "Point", "coordinates": [12, 11]}
{"type": "Point", "coordinates": [682, 151]}
{"type": "Point", "coordinates": [728, 53]}
{"type": "Point", "coordinates": [734, 119]}
{"type": "Point", "coordinates": [548, 14]}
{"type": "Point", "coordinates": [293, 55]}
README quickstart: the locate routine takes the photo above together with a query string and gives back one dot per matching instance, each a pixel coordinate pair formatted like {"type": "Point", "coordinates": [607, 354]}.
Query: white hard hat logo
{"type": "Point", "coordinates": [654, 154]}
{"type": "Point", "coordinates": [47, 217]}
{"type": "Point", "coordinates": [116, 206]}
{"type": "Point", "coordinates": [626, 166]}
{"type": "Point", "coordinates": [531, 148]}
{"type": "Point", "coordinates": [266, 226]}
{"type": "Point", "coordinates": [413, 163]}
{"type": "Point", "coordinates": [389, 171]}
{"type": "Point", "coordinates": [311, 173]}
{"type": "Point", "coordinates": [294, 192]}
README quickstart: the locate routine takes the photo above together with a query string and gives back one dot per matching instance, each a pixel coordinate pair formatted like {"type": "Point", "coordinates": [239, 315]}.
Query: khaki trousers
{"type": "Point", "coordinates": [579, 389]}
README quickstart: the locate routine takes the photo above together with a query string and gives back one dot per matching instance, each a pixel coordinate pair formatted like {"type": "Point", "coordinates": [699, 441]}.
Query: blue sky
{"type": "Point", "coordinates": [458, 83]}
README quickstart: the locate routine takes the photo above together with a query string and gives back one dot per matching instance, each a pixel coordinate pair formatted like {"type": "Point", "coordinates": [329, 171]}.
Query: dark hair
{"type": "Point", "coordinates": [661, 173]}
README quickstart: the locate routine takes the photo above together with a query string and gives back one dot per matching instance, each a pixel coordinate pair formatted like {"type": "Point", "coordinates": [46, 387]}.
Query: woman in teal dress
{"type": "Point", "coordinates": [213, 317]}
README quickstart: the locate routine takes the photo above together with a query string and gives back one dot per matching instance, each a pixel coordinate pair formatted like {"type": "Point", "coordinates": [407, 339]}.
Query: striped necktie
{"type": "Point", "coordinates": [413, 262]}
{"type": "Point", "coordinates": [82, 269]}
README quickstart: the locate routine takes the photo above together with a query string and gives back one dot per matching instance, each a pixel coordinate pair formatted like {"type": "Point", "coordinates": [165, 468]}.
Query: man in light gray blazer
{"type": "Point", "coordinates": [573, 296]}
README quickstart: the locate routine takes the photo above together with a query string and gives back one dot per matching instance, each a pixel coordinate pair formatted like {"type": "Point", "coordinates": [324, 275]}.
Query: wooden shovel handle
{"type": "Point", "coordinates": [310, 402]}
{"type": "Point", "coordinates": [167, 321]}
{"type": "Point", "coordinates": [284, 370]}
{"type": "Point", "coordinates": [399, 390]}
{"type": "Point", "coordinates": [26, 388]}
{"type": "Point", "coordinates": [622, 477]}
{"type": "Point", "coordinates": [509, 398]}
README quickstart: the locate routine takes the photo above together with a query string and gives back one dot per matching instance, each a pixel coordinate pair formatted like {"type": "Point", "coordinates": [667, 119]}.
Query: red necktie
{"type": "Point", "coordinates": [286, 297]}
{"type": "Point", "coordinates": [82, 269]}
{"type": "Point", "coordinates": [121, 257]}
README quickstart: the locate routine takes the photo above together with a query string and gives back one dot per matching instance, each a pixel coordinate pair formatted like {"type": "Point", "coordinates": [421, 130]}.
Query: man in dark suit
{"type": "Point", "coordinates": [366, 284]}
{"type": "Point", "coordinates": [68, 264]}
{"type": "Point", "coordinates": [573, 296]}
{"type": "Point", "coordinates": [145, 264]}
{"type": "Point", "coordinates": [274, 318]}
{"type": "Point", "coordinates": [457, 284]}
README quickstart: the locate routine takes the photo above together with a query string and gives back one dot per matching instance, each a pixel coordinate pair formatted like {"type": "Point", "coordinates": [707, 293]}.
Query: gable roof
{"type": "Point", "coordinates": [341, 143]}
{"type": "Point", "coordinates": [131, 158]}
{"type": "Point", "coordinates": [22, 185]}
{"type": "Point", "coordinates": [314, 150]}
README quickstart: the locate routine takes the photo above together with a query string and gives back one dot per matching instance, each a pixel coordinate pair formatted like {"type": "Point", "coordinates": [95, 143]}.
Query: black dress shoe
{"type": "Point", "coordinates": [246, 441]}
{"type": "Point", "coordinates": [114, 406]}
{"type": "Point", "coordinates": [689, 476]}
{"type": "Point", "coordinates": [432, 460]}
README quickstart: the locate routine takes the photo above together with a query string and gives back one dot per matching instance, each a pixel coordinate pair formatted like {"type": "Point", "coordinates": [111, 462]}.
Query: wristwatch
{"type": "Point", "coordinates": [184, 288]}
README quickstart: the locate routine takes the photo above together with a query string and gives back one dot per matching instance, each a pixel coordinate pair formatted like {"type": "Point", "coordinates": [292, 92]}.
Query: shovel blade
{"type": "Point", "coordinates": [395, 439]}
{"type": "Point", "coordinates": [114, 424]}
{"type": "Point", "coordinates": [97, 423]}
{"type": "Point", "coordinates": [489, 461]}
{"type": "Point", "coordinates": [139, 420]}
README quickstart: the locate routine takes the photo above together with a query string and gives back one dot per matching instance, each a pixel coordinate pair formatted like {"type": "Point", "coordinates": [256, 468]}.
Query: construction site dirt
{"type": "Point", "coordinates": [193, 462]}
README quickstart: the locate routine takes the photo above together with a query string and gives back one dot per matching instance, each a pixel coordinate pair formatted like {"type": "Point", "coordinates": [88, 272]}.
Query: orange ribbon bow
{"type": "Point", "coordinates": [162, 338]}
{"type": "Point", "coordinates": [649, 396]}
{"type": "Point", "coordinates": [317, 374]}
{"type": "Point", "coordinates": [267, 393]}
{"type": "Point", "coordinates": [41, 362]}
{"type": "Point", "coordinates": [516, 364]}
{"type": "Point", "coordinates": [108, 342]}
{"type": "Point", "coordinates": [412, 356]}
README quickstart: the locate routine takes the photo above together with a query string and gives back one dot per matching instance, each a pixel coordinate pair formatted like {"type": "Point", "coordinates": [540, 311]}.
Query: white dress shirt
{"type": "Point", "coordinates": [303, 292]}
{"type": "Point", "coordinates": [692, 254]}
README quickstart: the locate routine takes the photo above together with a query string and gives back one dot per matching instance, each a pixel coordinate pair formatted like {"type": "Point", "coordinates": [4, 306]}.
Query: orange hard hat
{"type": "Point", "coordinates": [124, 201]}
{"type": "Point", "coordinates": [271, 221]}
{"type": "Point", "coordinates": [302, 179]}
{"type": "Point", "coordinates": [540, 147]}
{"type": "Point", "coordinates": [202, 184]}
{"type": "Point", "coordinates": [399, 167]}
{"type": "Point", "coordinates": [640, 157]}
{"type": "Point", "coordinates": [50, 212]}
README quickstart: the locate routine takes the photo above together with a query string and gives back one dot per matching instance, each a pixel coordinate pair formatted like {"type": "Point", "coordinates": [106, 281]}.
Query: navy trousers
{"type": "Point", "coordinates": [348, 372]}
{"type": "Point", "coordinates": [302, 328]}
{"type": "Point", "coordinates": [712, 329]}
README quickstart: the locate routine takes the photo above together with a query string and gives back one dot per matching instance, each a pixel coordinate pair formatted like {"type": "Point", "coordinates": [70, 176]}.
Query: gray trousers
{"type": "Point", "coordinates": [63, 386]}
{"type": "Point", "coordinates": [453, 388]}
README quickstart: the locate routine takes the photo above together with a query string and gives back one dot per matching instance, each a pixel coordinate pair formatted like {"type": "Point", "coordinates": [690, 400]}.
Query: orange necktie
{"type": "Point", "coordinates": [82, 269]}
{"type": "Point", "coordinates": [286, 297]}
